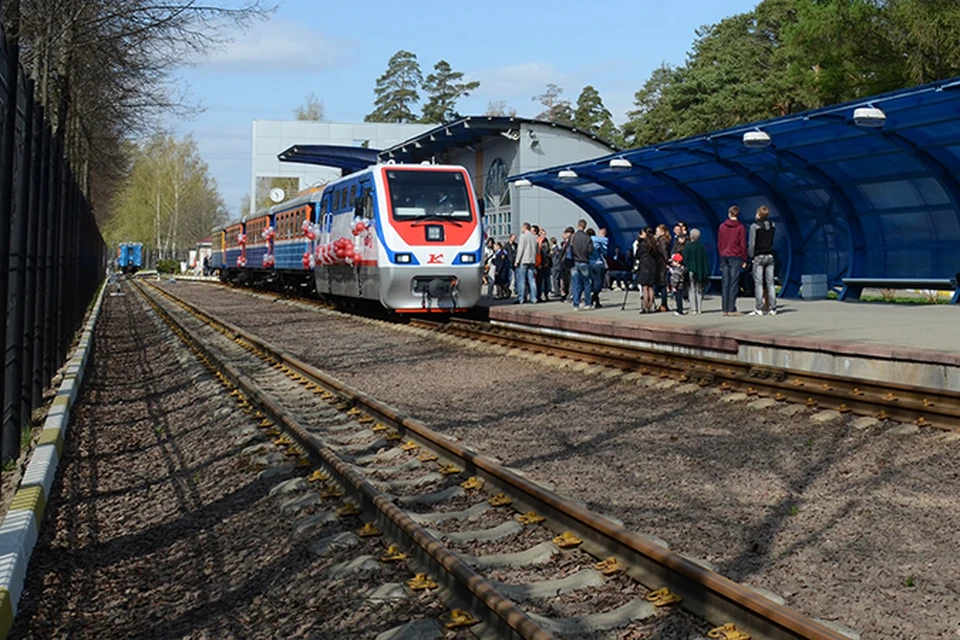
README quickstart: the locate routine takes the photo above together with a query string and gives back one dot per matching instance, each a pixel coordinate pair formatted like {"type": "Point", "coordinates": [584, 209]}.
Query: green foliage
{"type": "Point", "coordinates": [396, 90]}
{"type": "Point", "coordinates": [787, 56]}
{"type": "Point", "coordinates": [555, 108]}
{"type": "Point", "coordinates": [168, 201]}
{"type": "Point", "coordinates": [909, 582]}
{"type": "Point", "coordinates": [168, 266]}
{"type": "Point", "coordinates": [794, 510]}
{"type": "Point", "coordinates": [593, 117]}
{"type": "Point", "coordinates": [444, 88]}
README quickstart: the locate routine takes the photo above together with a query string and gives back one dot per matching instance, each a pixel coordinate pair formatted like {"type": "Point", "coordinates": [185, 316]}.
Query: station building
{"type": "Point", "coordinates": [490, 148]}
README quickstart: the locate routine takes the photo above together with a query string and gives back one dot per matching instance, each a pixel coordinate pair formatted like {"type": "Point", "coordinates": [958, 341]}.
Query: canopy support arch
{"type": "Point", "coordinates": [948, 182]}
{"type": "Point", "coordinates": [856, 237]}
{"type": "Point", "coordinates": [645, 212]}
{"type": "Point", "coordinates": [709, 213]}
{"type": "Point", "coordinates": [791, 280]}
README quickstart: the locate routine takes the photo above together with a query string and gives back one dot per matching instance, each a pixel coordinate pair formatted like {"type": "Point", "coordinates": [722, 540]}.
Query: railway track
{"type": "Point", "coordinates": [881, 400]}
{"type": "Point", "coordinates": [421, 491]}
{"type": "Point", "coordinates": [884, 401]}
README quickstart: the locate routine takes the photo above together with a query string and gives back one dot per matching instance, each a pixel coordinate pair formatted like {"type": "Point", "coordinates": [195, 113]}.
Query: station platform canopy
{"type": "Point", "coordinates": [465, 132]}
{"type": "Point", "coordinates": [867, 189]}
{"type": "Point", "coordinates": [347, 159]}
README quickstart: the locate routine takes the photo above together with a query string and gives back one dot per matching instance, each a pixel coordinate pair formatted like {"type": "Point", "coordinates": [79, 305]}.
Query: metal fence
{"type": "Point", "coordinates": [52, 256]}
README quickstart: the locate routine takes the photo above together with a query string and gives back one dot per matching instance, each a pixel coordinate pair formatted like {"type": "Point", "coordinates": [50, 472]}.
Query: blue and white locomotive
{"type": "Point", "coordinates": [408, 236]}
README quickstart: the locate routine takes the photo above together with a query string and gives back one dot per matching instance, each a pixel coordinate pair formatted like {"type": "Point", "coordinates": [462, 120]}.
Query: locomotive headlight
{"type": "Point", "coordinates": [404, 258]}
{"type": "Point", "coordinates": [468, 258]}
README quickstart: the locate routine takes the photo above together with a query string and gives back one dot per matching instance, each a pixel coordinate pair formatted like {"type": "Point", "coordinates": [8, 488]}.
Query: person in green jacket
{"type": "Point", "coordinates": [698, 265]}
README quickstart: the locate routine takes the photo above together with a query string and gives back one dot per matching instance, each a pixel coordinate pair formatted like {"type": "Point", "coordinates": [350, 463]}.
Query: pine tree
{"type": "Point", "coordinates": [593, 117]}
{"type": "Point", "coordinates": [397, 90]}
{"type": "Point", "coordinates": [444, 88]}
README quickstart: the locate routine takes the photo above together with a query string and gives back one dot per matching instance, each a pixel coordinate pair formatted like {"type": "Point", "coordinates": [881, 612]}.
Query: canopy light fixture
{"type": "Point", "coordinates": [756, 139]}
{"type": "Point", "coordinates": [620, 163]}
{"type": "Point", "coordinates": [522, 183]}
{"type": "Point", "coordinates": [869, 117]}
{"type": "Point", "coordinates": [567, 175]}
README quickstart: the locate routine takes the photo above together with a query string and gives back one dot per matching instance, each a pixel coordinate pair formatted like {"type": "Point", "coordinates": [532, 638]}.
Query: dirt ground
{"type": "Point", "coordinates": [857, 526]}
{"type": "Point", "coordinates": [157, 529]}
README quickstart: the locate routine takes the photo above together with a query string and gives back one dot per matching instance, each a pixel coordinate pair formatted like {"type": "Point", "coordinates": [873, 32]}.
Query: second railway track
{"type": "Point", "coordinates": [381, 461]}
{"type": "Point", "coordinates": [885, 401]}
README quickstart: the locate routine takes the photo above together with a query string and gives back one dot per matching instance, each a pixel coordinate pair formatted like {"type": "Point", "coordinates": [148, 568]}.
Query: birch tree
{"type": "Point", "coordinates": [169, 202]}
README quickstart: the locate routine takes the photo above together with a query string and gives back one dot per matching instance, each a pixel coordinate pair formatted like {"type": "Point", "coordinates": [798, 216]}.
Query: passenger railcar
{"type": "Point", "coordinates": [130, 257]}
{"type": "Point", "coordinates": [406, 236]}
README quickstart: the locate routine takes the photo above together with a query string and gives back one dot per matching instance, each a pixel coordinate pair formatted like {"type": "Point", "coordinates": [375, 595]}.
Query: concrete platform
{"type": "Point", "coordinates": [916, 345]}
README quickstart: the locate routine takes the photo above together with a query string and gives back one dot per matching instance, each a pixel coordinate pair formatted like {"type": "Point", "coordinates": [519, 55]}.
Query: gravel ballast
{"type": "Point", "coordinates": [849, 524]}
{"type": "Point", "coordinates": [158, 527]}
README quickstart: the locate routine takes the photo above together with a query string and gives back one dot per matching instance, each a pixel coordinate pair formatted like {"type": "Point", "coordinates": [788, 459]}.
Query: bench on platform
{"type": "Point", "coordinates": [853, 287]}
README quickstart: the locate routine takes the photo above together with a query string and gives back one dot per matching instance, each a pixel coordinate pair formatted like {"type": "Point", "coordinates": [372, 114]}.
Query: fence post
{"type": "Point", "coordinates": [43, 272]}
{"type": "Point", "coordinates": [13, 418]}
{"type": "Point", "coordinates": [53, 237]}
{"type": "Point", "coordinates": [31, 286]}
{"type": "Point", "coordinates": [10, 438]}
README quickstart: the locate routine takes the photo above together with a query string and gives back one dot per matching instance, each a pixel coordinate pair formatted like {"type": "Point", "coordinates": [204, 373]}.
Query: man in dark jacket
{"type": "Point", "coordinates": [563, 263]}
{"type": "Point", "coordinates": [732, 247]}
{"type": "Point", "coordinates": [511, 247]}
{"type": "Point", "coordinates": [698, 266]}
{"type": "Point", "coordinates": [581, 246]}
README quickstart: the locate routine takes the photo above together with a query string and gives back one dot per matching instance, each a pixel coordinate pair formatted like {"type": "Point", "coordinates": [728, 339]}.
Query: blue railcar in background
{"type": "Point", "coordinates": [130, 257]}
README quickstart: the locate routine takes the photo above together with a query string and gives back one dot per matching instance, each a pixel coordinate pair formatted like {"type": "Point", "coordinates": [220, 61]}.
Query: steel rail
{"type": "Point", "coordinates": [886, 401]}
{"type": "Point", "coordinates": [705, 593]}
{"type": "Point", "coordinates": [504, 619]}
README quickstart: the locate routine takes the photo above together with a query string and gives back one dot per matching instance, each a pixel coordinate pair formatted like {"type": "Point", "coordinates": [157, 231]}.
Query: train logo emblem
{"type": "Point", "coordinates": [435, 258]}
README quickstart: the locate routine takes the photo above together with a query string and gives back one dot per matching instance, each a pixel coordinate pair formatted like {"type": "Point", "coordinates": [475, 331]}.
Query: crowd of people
{"type": "Point", "coordinates": [660, 264]}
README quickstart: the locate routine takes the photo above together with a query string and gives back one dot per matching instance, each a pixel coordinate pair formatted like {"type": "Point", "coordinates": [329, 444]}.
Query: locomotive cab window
{"type": "Point", "coordinates": [428, 195]}
{"type": "Point", "coordinates": [368, 204]}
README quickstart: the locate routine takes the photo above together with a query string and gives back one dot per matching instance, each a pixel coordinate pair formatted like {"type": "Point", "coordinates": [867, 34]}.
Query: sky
{"type": "Point", "coordinates": [338, 50]}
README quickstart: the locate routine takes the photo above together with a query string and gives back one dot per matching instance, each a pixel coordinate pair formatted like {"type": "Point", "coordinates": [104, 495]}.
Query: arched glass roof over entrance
{"type": "Point", "coordinates": [864, 189]}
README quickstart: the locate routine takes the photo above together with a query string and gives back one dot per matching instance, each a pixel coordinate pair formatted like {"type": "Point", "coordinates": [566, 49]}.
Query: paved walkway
{"type": "Point", "coordinates": [899, 331]}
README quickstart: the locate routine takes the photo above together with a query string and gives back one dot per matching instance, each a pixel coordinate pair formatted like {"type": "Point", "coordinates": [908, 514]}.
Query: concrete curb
{"type": "Point", "coordinates": [21, 524]}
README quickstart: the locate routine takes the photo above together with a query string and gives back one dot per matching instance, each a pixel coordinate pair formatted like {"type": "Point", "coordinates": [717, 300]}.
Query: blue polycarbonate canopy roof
{"type": "Point", "coordinates": [347, 159]}
{"type": "Point", "coordinates": [465, 132]}
{"type": "Point", "coordinates": [849, 200]}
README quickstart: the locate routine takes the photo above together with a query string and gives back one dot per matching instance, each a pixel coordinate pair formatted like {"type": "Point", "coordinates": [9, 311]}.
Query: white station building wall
{"type": "Point", "coordinates": [272, 137]}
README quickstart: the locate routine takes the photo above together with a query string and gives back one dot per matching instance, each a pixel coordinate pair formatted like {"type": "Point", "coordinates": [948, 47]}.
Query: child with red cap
{"type": "Point", "coordinates": [677, 280]}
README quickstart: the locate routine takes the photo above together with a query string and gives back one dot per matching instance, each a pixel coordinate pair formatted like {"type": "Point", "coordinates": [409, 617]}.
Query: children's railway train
{"type": "Point", "coordinates": [408, 236]}
{"type": "Point", "coordinates": [130, 257]}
